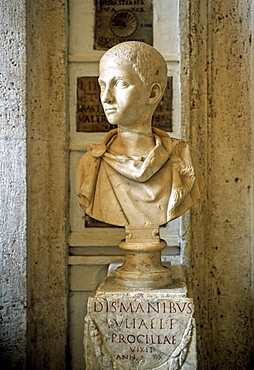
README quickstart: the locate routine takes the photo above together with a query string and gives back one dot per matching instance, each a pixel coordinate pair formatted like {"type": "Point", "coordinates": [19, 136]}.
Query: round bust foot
{"type": "Point", "coordinates": [143, 269]}
{"type": "Point", "coordinates": [151, 279]}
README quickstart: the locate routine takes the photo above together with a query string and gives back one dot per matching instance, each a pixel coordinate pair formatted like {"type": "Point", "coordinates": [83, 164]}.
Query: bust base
{"type": "Point", "coordinates": [143, 267]}
{"type": "Point", "coordinates": [143, 270]}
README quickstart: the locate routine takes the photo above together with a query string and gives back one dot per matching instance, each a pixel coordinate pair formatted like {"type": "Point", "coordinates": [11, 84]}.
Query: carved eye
{"type": "Point", "coordinates": [121, 84]}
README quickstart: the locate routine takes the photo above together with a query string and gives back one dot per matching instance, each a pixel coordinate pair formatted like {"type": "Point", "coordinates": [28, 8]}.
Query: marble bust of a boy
{"type": "Point", "coordinates": [138, 175]}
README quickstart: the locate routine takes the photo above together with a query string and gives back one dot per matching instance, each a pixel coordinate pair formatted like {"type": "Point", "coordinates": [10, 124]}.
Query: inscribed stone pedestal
{"type": "Point", "coordinates": [148, 329]}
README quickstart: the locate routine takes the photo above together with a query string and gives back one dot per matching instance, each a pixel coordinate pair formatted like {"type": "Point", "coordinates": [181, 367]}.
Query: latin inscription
{"type": "Point", "coordinates": [122, 20]}
{"type": "Point", "coordinates": [142, 331]}
{"type": "Point", "coordinates": [90, 116]}
{"type": "Point", "coordinates": [134, 307]}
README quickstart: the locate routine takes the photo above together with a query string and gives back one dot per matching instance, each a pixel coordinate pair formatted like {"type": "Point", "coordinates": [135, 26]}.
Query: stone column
{"type": "Point", "coordinates": [47, 183]}
{"type": "Point", "coordinates": [13, 220]}
{"type": "Point", "coordinates": [217, 55]}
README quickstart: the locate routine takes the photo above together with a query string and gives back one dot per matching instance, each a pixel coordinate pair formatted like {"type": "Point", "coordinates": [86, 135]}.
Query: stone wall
{"type": "Point", "coordinates": [47, 137]}
{"type": "Point", "coordinates": [13, 183]}
{"type": "Point", "coordinates": [217, 96]}
{"type": "Point", "coordinates": [34, 156]}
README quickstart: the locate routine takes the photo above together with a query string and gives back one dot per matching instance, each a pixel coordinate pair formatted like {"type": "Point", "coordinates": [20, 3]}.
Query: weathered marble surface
{"type": "Point", "coordinates": [141, 329]}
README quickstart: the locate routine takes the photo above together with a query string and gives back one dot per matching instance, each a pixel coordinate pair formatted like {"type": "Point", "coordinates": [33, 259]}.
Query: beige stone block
{"type": "Point", "coordinates": [141, 329]}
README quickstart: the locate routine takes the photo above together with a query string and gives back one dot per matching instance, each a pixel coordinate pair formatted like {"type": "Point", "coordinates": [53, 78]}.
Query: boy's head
{"type": "Point", "coordinates": [146, 61]}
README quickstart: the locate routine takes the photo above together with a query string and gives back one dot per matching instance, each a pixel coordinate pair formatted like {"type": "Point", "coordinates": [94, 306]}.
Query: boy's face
{"type": "Point", "coordinates": [123, 95]}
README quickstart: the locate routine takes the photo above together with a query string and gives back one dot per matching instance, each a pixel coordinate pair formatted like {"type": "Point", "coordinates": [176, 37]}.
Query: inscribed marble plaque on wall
{"type": "Point", "coordinates": [90, 115]}
{"type": "Point", "coordinates": [122, 20]}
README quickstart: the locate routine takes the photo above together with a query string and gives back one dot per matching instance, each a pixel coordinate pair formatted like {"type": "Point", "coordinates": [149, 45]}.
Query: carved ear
{"type": "Point", "coordinates": [155, 93]}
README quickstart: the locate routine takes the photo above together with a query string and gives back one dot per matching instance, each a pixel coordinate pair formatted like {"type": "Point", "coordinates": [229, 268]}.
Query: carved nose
{"type": "Point", "coordinates": [107, 96]}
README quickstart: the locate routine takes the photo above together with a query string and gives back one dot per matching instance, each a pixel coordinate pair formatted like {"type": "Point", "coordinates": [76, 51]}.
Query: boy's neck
{"type": "Point", "coordinates": [133, 142]}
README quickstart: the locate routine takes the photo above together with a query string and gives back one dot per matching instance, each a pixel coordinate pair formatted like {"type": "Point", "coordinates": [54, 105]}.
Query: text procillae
{"type": "Point", "coordinates": [141, 338]}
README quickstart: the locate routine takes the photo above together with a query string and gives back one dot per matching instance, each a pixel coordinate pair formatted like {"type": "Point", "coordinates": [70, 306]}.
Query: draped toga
{"type": "Point", "coordinates": [129, 190]}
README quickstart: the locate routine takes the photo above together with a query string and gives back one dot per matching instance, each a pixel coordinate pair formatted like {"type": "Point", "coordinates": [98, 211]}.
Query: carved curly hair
{"type": "Point", "coordinates": [145, 59]}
